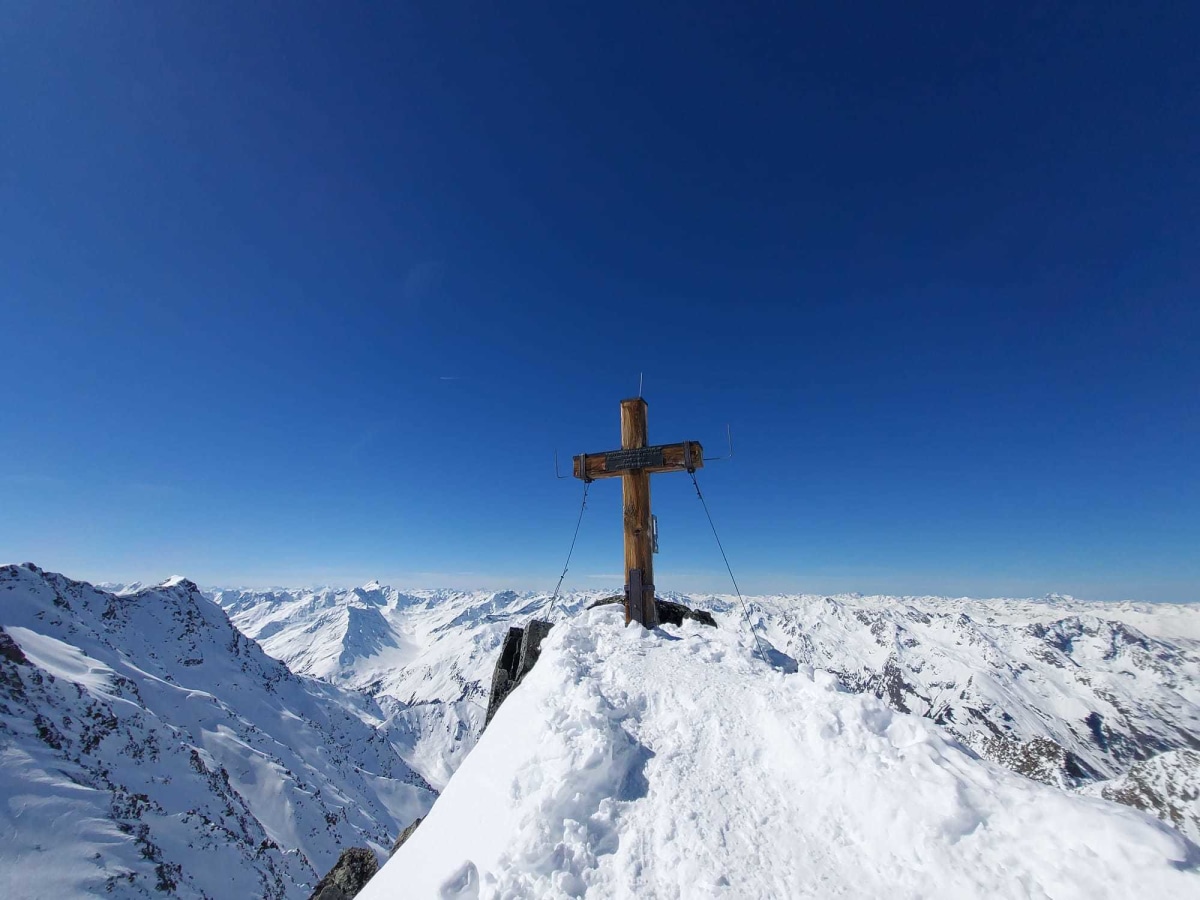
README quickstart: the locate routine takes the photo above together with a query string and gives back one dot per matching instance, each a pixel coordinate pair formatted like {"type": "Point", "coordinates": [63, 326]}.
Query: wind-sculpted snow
{"type": "Point", "coordinates": [673, 763]}
{"type": "Point", "coordinates": [148, 748]}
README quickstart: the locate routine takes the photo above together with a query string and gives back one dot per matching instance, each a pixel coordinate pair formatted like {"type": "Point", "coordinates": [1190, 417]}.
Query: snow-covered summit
{"type": "Point", "coordinates": [674, 764]}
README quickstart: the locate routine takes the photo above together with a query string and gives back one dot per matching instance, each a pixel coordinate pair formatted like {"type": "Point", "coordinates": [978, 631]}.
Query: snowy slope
{"type": "Point", "coordinates": [674, 764]}
{"type": "Point", "coordinates": [147, 747]}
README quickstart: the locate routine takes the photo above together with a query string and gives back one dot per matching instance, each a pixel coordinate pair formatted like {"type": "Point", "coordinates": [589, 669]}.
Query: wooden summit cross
{"type": "Point", "coordinates": [635, 463]}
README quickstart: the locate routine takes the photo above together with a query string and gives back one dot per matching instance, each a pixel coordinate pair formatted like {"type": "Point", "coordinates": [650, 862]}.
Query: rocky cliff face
{"type": "Point", "coordinates": [349, 875]}
{"type": "Point", "coordinates": [518, 655]}
{"type": "Point", "coordinates": [147, 748]}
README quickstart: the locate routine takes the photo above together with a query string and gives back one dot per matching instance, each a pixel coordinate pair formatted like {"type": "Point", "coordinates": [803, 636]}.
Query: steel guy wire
{"type": "Point", "coordinates": [567, 564]}
{"type": "Point", "coordinates": [728, 568]}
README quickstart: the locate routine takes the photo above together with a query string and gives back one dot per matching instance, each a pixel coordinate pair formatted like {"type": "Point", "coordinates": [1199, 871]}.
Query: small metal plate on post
{"type": "Point", "coordinates": [633, 598]}
{"type": "Point", "coordinates": [641, 458]}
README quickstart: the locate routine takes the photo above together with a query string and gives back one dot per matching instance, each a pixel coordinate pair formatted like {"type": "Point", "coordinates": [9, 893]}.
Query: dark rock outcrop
{"type": "Point", "coordinates": [405, 835]}
{"type": "Point", "coordinates": [520, 651]}
{"type": "Point", "coordinates": [348, 876]}
{"type": "Point", "coordinates": [505, 673]}
{"type": "Point", "coordinates": [1041, 759]}
{"type": "Point", "coordinates": [531, 645]}
{"type": "Point", "coordinates": [10, 650]}
{"type": "Point", "coordinates": [669, 612]}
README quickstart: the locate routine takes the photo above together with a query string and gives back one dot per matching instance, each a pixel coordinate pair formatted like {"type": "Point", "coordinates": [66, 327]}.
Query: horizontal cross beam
{"type": "Point", "coordinates": [661, 458]}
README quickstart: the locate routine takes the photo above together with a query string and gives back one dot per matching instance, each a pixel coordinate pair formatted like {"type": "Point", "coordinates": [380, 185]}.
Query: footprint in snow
{"type": "Point", "coordinates": [462, 885]}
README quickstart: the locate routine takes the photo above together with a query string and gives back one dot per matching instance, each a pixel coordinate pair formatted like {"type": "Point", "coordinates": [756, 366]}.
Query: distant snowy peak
{"type": "Point", "coordinates": [120, 587]}
{"type": "Point", "coordinates": [1059, 598]}
{"type": "Point", "coordinates": [132, 587]}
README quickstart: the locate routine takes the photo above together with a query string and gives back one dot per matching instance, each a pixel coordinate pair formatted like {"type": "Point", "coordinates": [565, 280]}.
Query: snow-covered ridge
{"type": "Point", "coordinates": [148, 747]}
{"type": "Point", "coordinates": [674, 763]}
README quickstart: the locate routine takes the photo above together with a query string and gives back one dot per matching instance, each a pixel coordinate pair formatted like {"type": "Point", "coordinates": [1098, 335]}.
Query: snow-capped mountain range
{"type": "Point", "coordinates": [204, 759]}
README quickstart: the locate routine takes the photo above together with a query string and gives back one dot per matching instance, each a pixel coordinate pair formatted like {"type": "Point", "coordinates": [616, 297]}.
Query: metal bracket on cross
{"type": "Point", "coordinates": [634, 598]}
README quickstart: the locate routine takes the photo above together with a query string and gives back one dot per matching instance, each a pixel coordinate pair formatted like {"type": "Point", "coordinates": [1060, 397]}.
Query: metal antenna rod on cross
{"type": "Point", "coordinates": [634, 463]}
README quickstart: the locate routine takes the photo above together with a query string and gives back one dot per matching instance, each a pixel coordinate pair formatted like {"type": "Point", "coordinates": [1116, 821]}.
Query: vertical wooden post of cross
{"type": "Point", "coordinates": [639, 539]}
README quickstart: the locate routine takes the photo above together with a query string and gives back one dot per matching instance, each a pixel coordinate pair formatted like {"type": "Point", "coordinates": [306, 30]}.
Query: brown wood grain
{"type": "Point", "coordinates": [635, 489]}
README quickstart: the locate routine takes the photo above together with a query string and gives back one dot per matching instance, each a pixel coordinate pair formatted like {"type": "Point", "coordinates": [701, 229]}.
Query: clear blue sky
{"type": "Point", "coordinates": [298, 293]}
